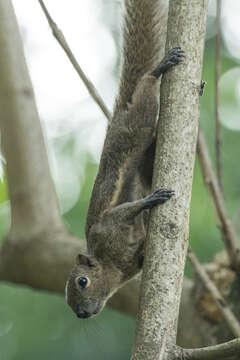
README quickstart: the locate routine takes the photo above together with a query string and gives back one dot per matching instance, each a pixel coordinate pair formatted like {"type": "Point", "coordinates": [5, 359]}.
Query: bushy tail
{"type": "Point", "coordinates": [144, 33]}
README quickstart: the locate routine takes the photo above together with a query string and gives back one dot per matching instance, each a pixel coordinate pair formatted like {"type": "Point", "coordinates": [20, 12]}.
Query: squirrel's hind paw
{"type": "Point", "coordinates": [173, 57]}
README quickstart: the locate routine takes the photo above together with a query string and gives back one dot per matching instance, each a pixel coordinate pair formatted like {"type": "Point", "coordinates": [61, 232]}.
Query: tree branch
{"type": "Point", "coordinates": [33, 198]}
{"type": "Point", "coordinates": [217, 76]}
{"type": "Point", "coordinates": [230, 349]}
{"type": "Point", "coordinates": [229, 235]}
{"type": "Point", "coordinates": [167, 239]}
{"type": "Point", "coordinates": [226, 312]}
{"type": "Point", "coordinates": [57, 33]}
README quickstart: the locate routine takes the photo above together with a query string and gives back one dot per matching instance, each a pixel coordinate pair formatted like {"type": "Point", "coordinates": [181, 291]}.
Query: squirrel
{"type": "Point", "coordinates": [118, 212]}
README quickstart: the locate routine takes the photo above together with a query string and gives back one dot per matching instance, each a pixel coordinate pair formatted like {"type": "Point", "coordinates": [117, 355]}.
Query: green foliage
{"type": "Point", "coordinates": [38, 325]}
{"type": "Point", "coordinates": [3, 190]}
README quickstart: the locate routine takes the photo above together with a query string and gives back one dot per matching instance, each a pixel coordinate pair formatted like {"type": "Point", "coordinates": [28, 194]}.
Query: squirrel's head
{"type": "Point", "coordinates": [86, 289]}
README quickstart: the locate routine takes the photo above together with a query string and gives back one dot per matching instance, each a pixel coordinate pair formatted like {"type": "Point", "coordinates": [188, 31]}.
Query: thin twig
{"type": "Point", "coordinates": [63, 43]}
{"type": "Point", "coordinates": [217, 76]}
{"type": "Point", "coordinates": [229, 235]}
{"type": "Point", "coordinates": [226, 312]}
{"type": "Point", "coordinates": [217, 352]}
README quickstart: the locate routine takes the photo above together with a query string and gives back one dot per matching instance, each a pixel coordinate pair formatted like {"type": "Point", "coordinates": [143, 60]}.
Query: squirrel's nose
{"type": "Point", "coordinates": [83, 314]}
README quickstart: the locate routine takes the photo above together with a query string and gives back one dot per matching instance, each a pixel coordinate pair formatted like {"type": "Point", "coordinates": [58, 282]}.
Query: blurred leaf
{"type": "Point", "coordinates": [76, 217]}
{"type": "Point", "coordinates": [3, 189]}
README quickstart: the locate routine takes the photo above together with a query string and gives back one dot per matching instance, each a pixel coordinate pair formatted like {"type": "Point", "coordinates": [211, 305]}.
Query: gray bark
{"type": "Point", "coordinates": [167, 240]}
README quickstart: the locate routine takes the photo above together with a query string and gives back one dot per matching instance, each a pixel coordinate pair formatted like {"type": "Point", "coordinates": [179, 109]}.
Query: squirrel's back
{"type": "Point", "coordinates": [144, 33]}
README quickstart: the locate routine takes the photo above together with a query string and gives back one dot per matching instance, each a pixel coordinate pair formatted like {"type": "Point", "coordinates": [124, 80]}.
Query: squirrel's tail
{"type": "Point", "coordinates": [143, 44]}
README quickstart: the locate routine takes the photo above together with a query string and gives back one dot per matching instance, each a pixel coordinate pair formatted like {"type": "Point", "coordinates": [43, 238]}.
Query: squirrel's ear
{"type": "Point", "coordinates": [84, 260]}
{"type": "Point", "coordinates": [81, 259]}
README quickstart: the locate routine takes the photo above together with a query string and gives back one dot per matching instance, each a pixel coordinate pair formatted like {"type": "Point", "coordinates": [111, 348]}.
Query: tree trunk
{"type": "Point", "coordinates": [167, 240]}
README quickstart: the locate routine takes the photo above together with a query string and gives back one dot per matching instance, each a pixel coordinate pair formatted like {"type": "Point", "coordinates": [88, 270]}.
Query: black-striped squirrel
{"type": "Point", "coordinates": [118, 211]}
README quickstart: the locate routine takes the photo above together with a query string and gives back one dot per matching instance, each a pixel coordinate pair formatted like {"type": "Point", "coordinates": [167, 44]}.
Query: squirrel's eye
{"type": "Point", "coordinates": [83, 282]}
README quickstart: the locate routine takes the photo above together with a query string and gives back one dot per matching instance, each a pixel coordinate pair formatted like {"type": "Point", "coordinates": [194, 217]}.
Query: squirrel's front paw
{"type": "Point", "coordinates": [173, 57]}
{"type": "Point", "coordinates": [159, 196]}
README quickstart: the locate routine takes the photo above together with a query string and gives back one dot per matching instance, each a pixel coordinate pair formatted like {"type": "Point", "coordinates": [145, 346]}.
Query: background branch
{"type": "Point", "coordinates": [63, 43]}
{"type": "Point", "coordinates": [230, 349]}
{"type": "Point", "coordinates": [167, 240]}
{"type": "Point", "coordinates": [217, 76]}
{"type": "Point", "coordinates": [226, 312]}
{"type": "Point", "coordinates": [228, 232]}
{"type": "Point", "coordinates": [33, 198]}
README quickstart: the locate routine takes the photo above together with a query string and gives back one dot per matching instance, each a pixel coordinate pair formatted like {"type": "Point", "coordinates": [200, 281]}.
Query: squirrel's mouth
{"type": "Point", "coordinates": [89, 311]}
{"type": "Point", "coordinates": [83, 314]}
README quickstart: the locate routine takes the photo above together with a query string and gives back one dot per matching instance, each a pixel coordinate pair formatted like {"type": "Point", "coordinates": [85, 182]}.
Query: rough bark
{"type": "Point", "coordinates": [167, 240]}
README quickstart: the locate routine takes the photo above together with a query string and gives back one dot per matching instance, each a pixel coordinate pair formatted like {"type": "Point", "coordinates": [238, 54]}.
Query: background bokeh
{"type": "Point", "coordinates": [39, 325]}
